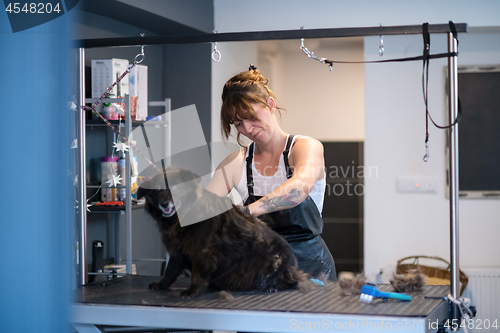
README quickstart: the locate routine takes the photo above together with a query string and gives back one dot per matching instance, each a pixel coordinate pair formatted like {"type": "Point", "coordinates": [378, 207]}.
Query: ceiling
{"type": "Point", "coordinates": [148, 19]}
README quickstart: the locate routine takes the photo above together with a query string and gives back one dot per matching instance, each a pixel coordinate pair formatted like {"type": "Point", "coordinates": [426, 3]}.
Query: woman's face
{"type": "Point", "coordinates": [256, 130]}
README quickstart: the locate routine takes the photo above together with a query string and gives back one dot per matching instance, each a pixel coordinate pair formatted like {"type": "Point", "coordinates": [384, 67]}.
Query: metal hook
{"type": "Point", "coordinates": [381, 45]}
{"type": "Point", "coordinates": [140, 57]}
{"type": "Point", "coordinates": [216, 55]}
{"type": "Point", "coordinates": [426, 157]}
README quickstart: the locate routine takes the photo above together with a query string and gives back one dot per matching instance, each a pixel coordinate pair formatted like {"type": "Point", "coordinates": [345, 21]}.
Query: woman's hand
{"type": "Point", "coordinates": [244, 210]}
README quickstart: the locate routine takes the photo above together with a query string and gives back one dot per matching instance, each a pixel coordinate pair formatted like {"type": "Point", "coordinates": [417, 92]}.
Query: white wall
{"type": "Point", "coordinates": [260, 15]}
{"type": "Point", "coordinates": [326, 105]}
{"type": "Point", "coordinates": [305, 88]}
{"type": "Point", "coordinates": [397, 225]}
{"type": "Point", "coordinates": [235, 57]}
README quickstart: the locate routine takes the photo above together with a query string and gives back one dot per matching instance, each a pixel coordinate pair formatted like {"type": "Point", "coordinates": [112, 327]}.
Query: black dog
{"type": "Point", "coordinates": [230, 251]}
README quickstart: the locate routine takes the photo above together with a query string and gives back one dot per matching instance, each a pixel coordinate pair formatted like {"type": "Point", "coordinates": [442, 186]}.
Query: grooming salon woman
{"type": "Point", "coordinates": [280, 176]}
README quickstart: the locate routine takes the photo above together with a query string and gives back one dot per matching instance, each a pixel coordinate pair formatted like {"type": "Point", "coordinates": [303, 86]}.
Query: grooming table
{"type": "Point", "coordinates": [127, 301]}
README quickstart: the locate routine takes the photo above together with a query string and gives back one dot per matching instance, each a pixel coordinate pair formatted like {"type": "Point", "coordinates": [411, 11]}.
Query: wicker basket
{"type": "Point", "coordinates": [430, 271]}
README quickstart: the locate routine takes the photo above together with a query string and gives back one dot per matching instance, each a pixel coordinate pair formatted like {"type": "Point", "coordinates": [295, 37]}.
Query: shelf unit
{"type": "Point", "coordinates": [127, 126]}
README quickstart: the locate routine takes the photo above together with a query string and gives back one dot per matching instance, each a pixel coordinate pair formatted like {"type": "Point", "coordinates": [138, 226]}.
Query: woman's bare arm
{"type": "Point", "coordinates": [223, 179]}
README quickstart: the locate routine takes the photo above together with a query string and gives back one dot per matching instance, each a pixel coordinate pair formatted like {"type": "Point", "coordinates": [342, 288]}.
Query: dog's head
{"type": "Point", "coordinates": [170, 191]}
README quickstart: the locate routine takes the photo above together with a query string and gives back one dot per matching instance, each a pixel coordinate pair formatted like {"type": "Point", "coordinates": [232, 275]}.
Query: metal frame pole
{"type": "Point", "coordinates": [272, 35]}
{"type": "Point", "coordinates": [128, 188]}
{"type": "Point", "coordinates": [269, 35]}
{"type": "Point", "coordinates": [453, 165]}
{"type": "Point", "coordinates": [81, 246]}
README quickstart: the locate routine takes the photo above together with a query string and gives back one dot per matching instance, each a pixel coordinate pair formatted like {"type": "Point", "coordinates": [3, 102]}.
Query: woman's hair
{"type": "Point", "coordinates": [238, 94]}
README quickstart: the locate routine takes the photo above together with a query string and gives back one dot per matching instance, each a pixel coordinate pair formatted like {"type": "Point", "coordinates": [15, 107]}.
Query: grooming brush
{"type": "Point", "coordinates": [318, 282]}
{"type": "Point", "coordinates": [368, 293]}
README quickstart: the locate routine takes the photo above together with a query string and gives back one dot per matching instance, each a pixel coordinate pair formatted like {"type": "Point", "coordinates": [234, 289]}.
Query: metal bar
{"type": "Point", "coordinates": [248, 320]}
{"type": "Point", "coordinates": [268, 35]}
{"type": "Point", "coordinates": [168, 138]}
{"type": "Point", "coordinates": [116, 233]}
{"type": "Point", "coordinates": [453, 166]}
{"type": "Point", "coordinates": [82, 195]}
{"type": "Point", "coordinates": [128, 188]}
{"type": "Point", "coordinates": [86, 328]}
{"type": "Point", "coordinates": [107, 100]}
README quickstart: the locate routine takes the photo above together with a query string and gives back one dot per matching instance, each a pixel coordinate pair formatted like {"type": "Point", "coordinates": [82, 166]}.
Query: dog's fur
{"type": "Point", "coordinates": [406, 283]}
{"type": "Point", "coordinates": [352, 286]}
{"type": "Point", "coordinates": [231, 251]}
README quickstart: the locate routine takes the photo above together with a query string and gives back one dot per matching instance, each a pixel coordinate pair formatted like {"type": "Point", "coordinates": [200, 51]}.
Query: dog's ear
{"type": "Point", "coordinates": [176, 176]}
{"type": "Point", "coordinates": [144, 189]}
{"type": "Point", "coordinates": [148, 186]}
{"type": "Point", "coordinates": [172, 176]}
{"type": "Point", "coordinates": [142, 192]}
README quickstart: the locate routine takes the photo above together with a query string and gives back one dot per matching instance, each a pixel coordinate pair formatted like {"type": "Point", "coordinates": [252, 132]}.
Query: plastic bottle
{"type": "Point", "coordinates": [108, 169]}
{"type": "Point", "coordinates": [122, 192]}
{"type": "Point", "coordinates": [135, 173]}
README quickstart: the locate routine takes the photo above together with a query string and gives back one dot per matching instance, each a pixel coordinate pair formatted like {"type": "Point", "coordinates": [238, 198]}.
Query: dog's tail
{"type": "Point", "coordinates": [226, 296]}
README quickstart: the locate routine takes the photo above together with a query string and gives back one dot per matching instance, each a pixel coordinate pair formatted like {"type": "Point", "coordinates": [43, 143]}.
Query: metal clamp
{"type": "Point", "coordinates": [216, 55]}
{"type": "Point", "coordinates": [381, 45]}
{"type": "Point", "coordinates": [426, 156]}
{"type": "Point", "coordinates": [311, 54]}
{"type": "Point", "coordinates": [140, 57]}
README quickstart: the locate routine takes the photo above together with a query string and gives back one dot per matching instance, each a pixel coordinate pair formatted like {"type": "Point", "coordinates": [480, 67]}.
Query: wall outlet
{"type": "Point", "coordinates": [416, 185]}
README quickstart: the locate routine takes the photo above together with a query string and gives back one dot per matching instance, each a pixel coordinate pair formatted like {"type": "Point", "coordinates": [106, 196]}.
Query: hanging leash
{"type": "Point", "coordinates": [425, 57]}
{"type": "Point", "coordinates": [465, 309]}
{"type": "Point", "coordinates": [425, 86]}
{"type": "Point", "coordinates": [137, 60]}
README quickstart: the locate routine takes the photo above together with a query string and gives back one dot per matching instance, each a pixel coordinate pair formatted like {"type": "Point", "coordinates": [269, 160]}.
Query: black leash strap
{"type": "Point", "coordinates": [425, 85]}
{"type": "Point", "coordinates": [426, 56]}
{"type": "Point", "coordinates": [416, 58]}
{"type": "Point", "coordinates": [249, 170]}
{"type": "Point", "coordinates": [289, 170]}
{"type": "Point", "coordinates": [453, 30]}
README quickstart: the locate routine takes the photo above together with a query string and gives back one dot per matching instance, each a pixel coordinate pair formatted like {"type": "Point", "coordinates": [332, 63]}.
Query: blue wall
{"type": "Point", "coordinates": [36, 215]}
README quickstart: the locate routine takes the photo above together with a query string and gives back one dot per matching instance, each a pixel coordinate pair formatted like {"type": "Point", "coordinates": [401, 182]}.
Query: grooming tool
{"type": "Point", "coordinates": [369, 292]}
{"type": "Point", "coordinates": [318, 282]}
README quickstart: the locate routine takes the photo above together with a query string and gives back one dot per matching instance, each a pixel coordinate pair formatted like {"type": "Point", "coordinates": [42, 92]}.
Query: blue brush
{"type": "Point", "coordinates": [369, 292]}
{"type": "Point", "coordinates": [318, 282]}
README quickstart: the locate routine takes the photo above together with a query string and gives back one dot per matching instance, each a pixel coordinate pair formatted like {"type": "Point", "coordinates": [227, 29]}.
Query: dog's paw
{"type": "Point", "coordinates": [155, 286]}
{"type": "Point", "coordinates": [189, 293]}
